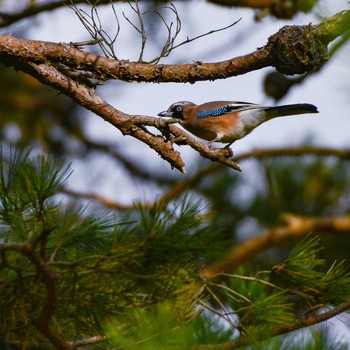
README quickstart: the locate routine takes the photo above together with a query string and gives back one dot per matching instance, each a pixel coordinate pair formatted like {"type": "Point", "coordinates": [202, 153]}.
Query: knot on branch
{"type": "Point", "coordinates": [297, 49]}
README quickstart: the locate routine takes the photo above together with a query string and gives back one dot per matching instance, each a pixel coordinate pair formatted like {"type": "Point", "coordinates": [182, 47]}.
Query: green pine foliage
{"type": "Point", "coordinates": [318, 338]}
{"type": "Point", "coordinates": [306, 270]}
{"type": "Point", "coordinates": [134, 280]}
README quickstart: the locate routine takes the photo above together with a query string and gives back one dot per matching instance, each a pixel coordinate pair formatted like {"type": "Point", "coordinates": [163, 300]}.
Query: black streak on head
{"type": "Point", "coordinates": [177, 109]}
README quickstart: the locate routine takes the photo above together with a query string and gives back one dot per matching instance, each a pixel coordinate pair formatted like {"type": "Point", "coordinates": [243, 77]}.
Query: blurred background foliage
{"type": "Point", "coordinates": [36, 116]}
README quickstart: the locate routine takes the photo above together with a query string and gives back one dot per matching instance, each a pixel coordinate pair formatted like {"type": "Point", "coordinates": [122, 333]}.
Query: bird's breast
{"type": "Point", "coordinates": [209, 128]}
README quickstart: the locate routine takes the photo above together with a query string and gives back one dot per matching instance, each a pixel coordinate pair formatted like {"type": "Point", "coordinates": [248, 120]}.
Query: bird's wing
{"type": "Point", "coordinates": [214, 109]}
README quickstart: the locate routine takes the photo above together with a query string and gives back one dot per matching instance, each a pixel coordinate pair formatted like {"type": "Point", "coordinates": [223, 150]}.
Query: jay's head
{"type": "Point", "coordinates": [177, 109]}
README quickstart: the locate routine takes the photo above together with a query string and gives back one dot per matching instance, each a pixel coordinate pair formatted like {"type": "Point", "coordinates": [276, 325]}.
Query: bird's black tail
{"type": "Point", "coordinates": [299, 108]}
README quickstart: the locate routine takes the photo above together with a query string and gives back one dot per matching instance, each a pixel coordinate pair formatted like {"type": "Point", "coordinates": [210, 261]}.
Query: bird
{"type": "Point", "coordinates": [228, 121]}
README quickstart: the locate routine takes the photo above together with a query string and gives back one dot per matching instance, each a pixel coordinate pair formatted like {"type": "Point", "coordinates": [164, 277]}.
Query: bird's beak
{"type": "Point", "coordinates": [165, 114]}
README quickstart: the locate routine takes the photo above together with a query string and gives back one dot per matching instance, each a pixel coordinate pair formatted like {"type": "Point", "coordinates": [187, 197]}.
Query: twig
{"type": "Point", "coordinates": [88, 341]}
{"type": "Point", "coordinates": [169, 43]}
{"type": "Point", "coordinates": [140, 30]}
{"type": "Point", "coordinates": [188, 40]}
{"type": "Point", "coordinates": [93, 25]}
{"type": "Point", "coordinates": [88, 99]}
{"type": "Point", "coordinates": [101, 199]}
{"type": "Point", "coordinates": [95, 29]}
{"type": "Point", "coordinates": [226, 314]}
{"type": "Point", "coordinates": [269, 55]}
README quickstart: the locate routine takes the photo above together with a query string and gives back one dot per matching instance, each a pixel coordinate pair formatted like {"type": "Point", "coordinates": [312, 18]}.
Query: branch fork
{"type": "Point", "coordinates": [73, 72]}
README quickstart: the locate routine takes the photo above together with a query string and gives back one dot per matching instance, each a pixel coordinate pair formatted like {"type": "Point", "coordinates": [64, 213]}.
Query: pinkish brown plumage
{"type": "Point", "coordinates": [228, 121]}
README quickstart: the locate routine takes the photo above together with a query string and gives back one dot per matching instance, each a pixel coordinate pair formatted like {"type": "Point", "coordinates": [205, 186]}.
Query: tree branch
{"type": "Point", "coordinates": [292, 50]}
{"type": "Point", "coordinates": [180, 187]}
{"type": "Point", "coordinates": [42, 321]}
{"type": "Point", "coordinates": [127, 124]}
{"type": "Point", "coordinates": [298, 324]}
{"type": "Point", "coordinates": [108, 203]}
{"type": "Point", "coordinates": [195, 180]}
{"type": "Point", "coordinates": [44, 52]}
{"type": "Point", "coordinates": [297, 227]}
{"type": "Point", "coordinates": [87, 98]}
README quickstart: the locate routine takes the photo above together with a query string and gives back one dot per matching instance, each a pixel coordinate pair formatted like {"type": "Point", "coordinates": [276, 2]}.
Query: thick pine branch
{"type": "Point", "coordinates": [296, 227]}
{"type": "Point", "coordinates": [279, 330]}
{"type": "Point", "coordinates": [86, 97]}
{"type": "Point", "coordinates": [292, 50]}
{"type": "Point", "coordinates": [43, 321]}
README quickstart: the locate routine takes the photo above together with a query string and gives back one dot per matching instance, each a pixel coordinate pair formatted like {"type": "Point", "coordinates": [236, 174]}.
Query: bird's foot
{"type": "Point", "coordinates": [228, 152]}
{"type": "Point", "coordinates": [223, 152]}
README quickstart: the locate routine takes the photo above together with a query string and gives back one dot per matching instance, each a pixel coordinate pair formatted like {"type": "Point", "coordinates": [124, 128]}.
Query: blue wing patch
{"type": "Point", "coordinates": [218, 111]}
{"type": "Point", "coordinates": [213, 112]}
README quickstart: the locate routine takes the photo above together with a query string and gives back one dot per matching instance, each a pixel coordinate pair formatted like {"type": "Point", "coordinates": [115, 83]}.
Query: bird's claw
{"type": "Point", "coordinates": [223, 152]}
{"type": "Point", "coordinates": [228, 152]}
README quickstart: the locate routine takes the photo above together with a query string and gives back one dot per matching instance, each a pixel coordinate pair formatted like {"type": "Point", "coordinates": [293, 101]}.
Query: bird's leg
{"type": "Point", "coordinates": [228, 145]}
{"type": "Point", "coordinates": [217, 138]}
{"type": "Point", "coordinates": [210, 143]}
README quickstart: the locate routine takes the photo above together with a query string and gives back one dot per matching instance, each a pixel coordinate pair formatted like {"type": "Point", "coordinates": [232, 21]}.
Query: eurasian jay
{"type": "Point", "coordinates": [228, 121]}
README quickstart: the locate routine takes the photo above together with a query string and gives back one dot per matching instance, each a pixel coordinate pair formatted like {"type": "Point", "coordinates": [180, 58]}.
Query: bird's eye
{"type": "Point", "coordinates": [179, 108]}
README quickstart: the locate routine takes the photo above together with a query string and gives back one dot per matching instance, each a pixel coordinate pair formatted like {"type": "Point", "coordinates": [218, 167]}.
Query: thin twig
{"type": "Point", "coordinates": [171, 37]}
{"type": "Point", "coordinates": [226, 314]}
{"type": "Point", "coordinates": [93, 25]}
{"type": "Point", "coordinates": [99, 198]}
{"type": "Point", "coordinates": [89, 341]}
{"type": "Point", "coordinates": [142, 30]}
{"type": "Point", "coordinates": [188, 40]}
